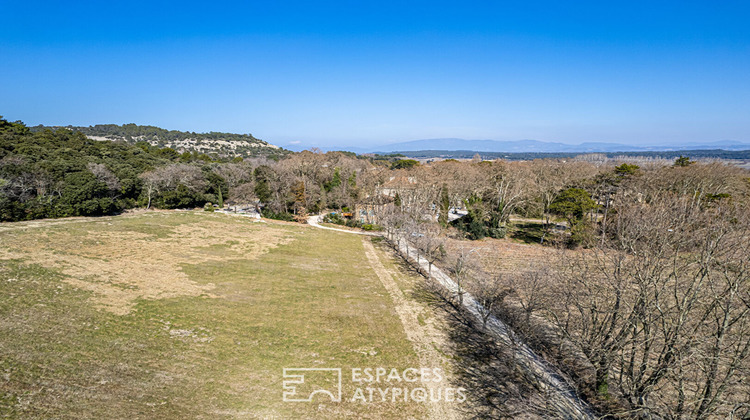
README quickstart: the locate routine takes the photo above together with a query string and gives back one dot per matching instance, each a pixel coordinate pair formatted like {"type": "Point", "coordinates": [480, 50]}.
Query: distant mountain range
{"type": "Point", "coordinates": [533, 146]}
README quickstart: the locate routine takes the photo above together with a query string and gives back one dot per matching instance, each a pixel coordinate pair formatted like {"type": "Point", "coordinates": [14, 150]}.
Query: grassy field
{"type": "Point", "coordinates": [190, 315]}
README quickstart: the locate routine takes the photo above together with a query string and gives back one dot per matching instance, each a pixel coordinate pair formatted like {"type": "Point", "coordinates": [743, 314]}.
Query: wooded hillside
{"type": "Point", "coordinates": [213, 143]}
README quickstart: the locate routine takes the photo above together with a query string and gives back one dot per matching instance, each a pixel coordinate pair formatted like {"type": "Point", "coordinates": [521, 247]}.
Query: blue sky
{"type": "Point", "coordinates": [364, 73]}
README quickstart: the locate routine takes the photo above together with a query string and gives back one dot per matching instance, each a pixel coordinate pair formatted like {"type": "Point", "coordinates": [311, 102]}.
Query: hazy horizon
{"type": "Point", "coordinates": [335, 73]}
{"type": "Point", "coordinates": [300, 145]}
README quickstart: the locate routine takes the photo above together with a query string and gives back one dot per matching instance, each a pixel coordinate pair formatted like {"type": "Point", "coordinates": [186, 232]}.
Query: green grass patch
{"type": "Point", "coordinates": [309, 302]}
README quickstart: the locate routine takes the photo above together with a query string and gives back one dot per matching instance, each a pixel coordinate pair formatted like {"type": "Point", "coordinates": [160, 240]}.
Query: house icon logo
{"type": "Point", "coordinates": [302, 384]}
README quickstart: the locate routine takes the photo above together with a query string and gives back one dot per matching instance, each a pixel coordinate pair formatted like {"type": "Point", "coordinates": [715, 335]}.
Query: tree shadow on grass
{"type": "Point", "coordinates": [496, 387]}
{"type": "Point", "coordinates": [527, 232]}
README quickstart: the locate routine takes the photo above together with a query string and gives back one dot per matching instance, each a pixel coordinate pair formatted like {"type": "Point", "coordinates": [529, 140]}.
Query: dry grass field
{"type": "Point", "coordinates": [195, 315]}
{"type": "Point", "coordinates": [503, 256]}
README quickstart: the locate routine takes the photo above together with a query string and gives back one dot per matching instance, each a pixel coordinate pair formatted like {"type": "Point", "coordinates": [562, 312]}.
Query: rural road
{"type": "Point", "coordinates": [560, 394]}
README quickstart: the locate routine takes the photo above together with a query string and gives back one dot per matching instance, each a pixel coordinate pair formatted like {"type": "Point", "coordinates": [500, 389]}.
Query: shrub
{"type": "Point", "coordinates": [498, 232]}
{"type": "Point", "coordinates": [352, 223]}
{"type": "Point", "coordinates": [581, 234]}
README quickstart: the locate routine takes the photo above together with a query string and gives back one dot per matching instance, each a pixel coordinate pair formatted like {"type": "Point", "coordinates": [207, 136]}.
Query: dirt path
{"type": "Point", "coordinates": [407, 311]}
{"type": "Point", "coordinates": [315, 221]}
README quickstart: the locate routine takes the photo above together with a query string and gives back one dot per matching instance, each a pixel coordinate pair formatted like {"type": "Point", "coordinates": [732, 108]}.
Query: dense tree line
{"type": "Point", "coordinates": [63, 173]}
{"type": "Point", "coordinates": [134, 132]}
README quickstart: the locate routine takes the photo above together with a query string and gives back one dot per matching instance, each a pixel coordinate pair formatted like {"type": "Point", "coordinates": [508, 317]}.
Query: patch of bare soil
{"type": "Point", "coordinates": [120, 267]}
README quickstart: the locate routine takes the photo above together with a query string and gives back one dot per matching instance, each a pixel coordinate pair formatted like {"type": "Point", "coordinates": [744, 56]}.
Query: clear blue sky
{"type": "Point", "coordinates": [374, 72]}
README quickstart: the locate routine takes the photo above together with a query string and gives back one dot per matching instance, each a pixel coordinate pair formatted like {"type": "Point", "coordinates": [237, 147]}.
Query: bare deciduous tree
{"type": "Point", "coordinates": [460, 266]}
{"type": "Point", "coordinates": [661, 311]}
{"type": "Point", "coordinates": [489, 291]}
{"type": "Point", "coordinates": [168, 178]}
{"type": "Point", "coordinates": [103, 174]}
{"type": "Point", "coordinates": [432, 247]}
